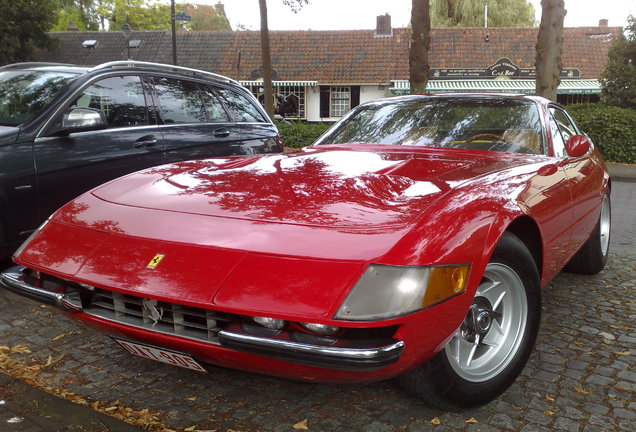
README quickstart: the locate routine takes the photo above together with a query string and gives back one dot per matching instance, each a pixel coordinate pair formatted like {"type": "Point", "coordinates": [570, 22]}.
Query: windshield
{"type": "Point", "coordinates": [509, 125]}
{"type": "Point", "coordinates": [23, 94]}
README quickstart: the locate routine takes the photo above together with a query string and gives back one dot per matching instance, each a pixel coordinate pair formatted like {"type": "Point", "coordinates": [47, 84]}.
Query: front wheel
{"type": "Point", "coordinates": [490, 348]}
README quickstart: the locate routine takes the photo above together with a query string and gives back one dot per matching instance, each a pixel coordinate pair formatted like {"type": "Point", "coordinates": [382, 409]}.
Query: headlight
{"type": "Point", "coordinates": [389, 291]}
{"type": "Point", "coordinates": [321, 329]}
{"type": "Point", "coordinates": [270, 323]}
{"type": "Point", "coordinates": [28, 240]}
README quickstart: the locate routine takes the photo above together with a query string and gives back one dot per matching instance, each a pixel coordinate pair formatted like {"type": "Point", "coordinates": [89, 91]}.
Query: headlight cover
{"type": "Point", "coordinates": [385, 291]}
{"type": "Point", "coordinates": [25, 243]}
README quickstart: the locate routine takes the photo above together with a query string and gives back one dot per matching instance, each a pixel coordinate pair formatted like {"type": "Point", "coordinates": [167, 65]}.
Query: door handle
{"type": "Point", "coordinates": [221, 133]}
{"type": "Point", "coordinates": [145, 141]}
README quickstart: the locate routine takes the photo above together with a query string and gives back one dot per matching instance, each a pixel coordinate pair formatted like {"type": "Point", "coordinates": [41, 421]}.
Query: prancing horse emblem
{"type": "Point", "coordinates": [155, 261]}
{"type": "Point", "coordinates": [154, 312]}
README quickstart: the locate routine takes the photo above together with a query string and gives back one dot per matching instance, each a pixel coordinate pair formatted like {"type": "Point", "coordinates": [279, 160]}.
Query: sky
{"type": "Point", "coordinates": [361, 14]}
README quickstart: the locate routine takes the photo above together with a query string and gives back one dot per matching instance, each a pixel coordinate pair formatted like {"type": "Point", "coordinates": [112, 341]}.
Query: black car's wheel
{"type": "Point", "coordinates": [490, 348]}
{"type": "Point", "coordinates": [592, 256]}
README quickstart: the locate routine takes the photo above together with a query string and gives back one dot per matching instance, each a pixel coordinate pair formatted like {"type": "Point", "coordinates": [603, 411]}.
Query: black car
{"type": "Point", "coordinates": [66, 129]}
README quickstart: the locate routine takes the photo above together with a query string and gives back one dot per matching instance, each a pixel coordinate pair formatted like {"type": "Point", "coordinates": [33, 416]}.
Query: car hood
{"type": "Point", "coordinates": [328, 188]}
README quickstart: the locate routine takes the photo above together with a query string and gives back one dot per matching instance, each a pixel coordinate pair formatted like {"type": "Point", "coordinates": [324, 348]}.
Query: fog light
{"type": "Point", "coordinates": [321, 329]}
{"type": "Point", "coordinates": [270, 323]}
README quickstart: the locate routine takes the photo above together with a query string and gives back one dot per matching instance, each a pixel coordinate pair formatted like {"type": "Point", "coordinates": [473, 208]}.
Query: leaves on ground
{"type": "Point", "coordinates": [436, 421]}
{"type": "Point", "coordinates": [301, 425]}
{"type": "Point", "coordinates": [582, 391]}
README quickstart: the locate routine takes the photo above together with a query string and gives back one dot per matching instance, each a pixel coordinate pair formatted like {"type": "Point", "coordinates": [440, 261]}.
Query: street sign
{"type": "Point", "coordinates": [182, 17]}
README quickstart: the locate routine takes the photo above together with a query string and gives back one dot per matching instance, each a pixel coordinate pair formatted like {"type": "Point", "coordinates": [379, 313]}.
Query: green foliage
{"type": "Point", "coordinates": [297, 134]}
{"type": "Point", "coordinates": [141, 14]}
{"type": "Point", "coordinates": [470, 13]}
{"type": "Point", "coordinates": [80, 13]}
{"type": "Point", "coordinates": [618, 81]}
{"type": "Point", "coordinates": [207, 18]}
{"type": "Point", "coordinates": [611, 128]}
{"type": "Point", "coordinates": [23, 26]}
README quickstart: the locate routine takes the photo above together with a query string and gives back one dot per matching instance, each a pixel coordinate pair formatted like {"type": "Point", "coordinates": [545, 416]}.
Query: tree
{"type": "Point", "coordinates": [420, 43]}
{"type": "Point", "coordinates": [266, 57]}
{"type": "Point", "coordinates": [618, 80]}
{"type": "Point", "coordinates": [207, 18]}
{"type": "Point", "coordinates": [80, 13]}
{"type": "Point", "coordinates": [470, 13]}
{"type": "Point", "coordinates": [23, 26]}
{"type": "Point", "coordinates": [549, 47]}
{"type": "Point", "coordinates": [140, 14]}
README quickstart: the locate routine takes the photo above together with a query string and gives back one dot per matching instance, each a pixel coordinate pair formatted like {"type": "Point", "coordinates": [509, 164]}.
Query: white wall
{"type": "Point", "coordinates": [312, 100]}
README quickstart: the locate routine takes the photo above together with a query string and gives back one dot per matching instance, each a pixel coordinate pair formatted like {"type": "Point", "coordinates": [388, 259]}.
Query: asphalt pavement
{"type": "Point", "coordinates": [581, 377]}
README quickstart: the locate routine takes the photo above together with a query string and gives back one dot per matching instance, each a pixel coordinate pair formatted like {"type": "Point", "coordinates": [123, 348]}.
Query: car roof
{"type": "Point", "coordinates": [499, 96]}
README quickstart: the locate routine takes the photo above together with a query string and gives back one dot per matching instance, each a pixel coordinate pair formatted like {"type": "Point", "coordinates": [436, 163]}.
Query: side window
{"type": "Point", "coordinates": [120, 98]}
{"type": "Point", "coordinates": [179, 100]}
{"type": "Point", "coordinates": [213, 105]}
{"type": "Point", "coordinates": [557, 139]}
{"type": "Point", "coordinates": [240, 106]}
{"type": "Point", "coordinates": [564, 123]}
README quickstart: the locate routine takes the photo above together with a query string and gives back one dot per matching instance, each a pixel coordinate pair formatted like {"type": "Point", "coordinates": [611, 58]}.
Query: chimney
{"type": "Point", "coordinates": [220, 9]}
{"type": "Point", "coordinates": [603, 23]}
{"type": "Point", "coordinates": [383, 26]}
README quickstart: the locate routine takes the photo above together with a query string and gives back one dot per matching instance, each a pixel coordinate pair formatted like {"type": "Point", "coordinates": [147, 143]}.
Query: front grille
{"type": "Point", "coordinates": [170, 318]}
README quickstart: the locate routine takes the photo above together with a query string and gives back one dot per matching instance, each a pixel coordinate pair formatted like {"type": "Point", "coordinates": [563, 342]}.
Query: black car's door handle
{"type": "Point", "coordinates": [145, 141]}
{"type": "Point", "coordinates": [221, 133]}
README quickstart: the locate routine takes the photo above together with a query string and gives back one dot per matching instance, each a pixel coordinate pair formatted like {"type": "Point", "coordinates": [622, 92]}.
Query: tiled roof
{"type": "Point", "coordinates": [352, 56]}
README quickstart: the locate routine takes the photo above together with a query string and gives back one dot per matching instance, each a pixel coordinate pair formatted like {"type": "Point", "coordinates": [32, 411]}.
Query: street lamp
{"type": "Point", "coordinates": [127, 35]}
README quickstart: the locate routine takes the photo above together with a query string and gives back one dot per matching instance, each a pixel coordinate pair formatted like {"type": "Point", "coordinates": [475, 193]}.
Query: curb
{"type": "Point", "coordinates": [622, 172]}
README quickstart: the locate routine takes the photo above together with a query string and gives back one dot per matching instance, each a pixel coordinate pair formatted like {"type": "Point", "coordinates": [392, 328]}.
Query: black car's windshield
{"type": "Point", "coordinates": [510, 125]}
{"type": "Point", "coordinates": [24, 93]}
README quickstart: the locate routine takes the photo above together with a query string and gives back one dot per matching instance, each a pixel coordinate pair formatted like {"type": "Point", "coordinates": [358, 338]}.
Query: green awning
{"type": "Point", "coordinates": [589, 86]}
{"type": "Point", "coordinates": [281, 83]}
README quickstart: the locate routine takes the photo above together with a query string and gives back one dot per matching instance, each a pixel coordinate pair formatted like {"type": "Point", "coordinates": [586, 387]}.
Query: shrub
{"type": "Point", "coordinates": [611, 128]}
{"type": "Point", "coordinates": [297, 134]}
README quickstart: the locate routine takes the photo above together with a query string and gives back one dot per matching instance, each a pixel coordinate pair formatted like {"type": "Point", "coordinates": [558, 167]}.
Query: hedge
{"type": "Point", "coordinates": [297, 134]}
{"type": "Point", "coordinates": [612, 129]}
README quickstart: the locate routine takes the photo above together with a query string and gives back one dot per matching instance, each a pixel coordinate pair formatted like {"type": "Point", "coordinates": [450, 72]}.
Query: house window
{"type": "Point", "coordinates": [340, 101]}
{"type": "Point", "coordinates": [295, 94]}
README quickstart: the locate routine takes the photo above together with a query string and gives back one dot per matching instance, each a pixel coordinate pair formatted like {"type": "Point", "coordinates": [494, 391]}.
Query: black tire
{"type": "Point", "coordinates": [444, 381]}
{"type": "Point", "coordinates": [592, 256]}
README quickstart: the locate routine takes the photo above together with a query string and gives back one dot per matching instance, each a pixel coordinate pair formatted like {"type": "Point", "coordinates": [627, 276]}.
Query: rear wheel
{"type": "Point", "coordinates": [493, 343]}
{"type": "Point", "coordinates": [592, 256]}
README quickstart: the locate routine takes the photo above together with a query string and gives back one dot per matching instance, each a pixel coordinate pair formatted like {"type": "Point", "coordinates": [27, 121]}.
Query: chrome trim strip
{"type": "Point", "coordinates": [344, 358]}
{"type": "Point", "coordinates": [13, 280]}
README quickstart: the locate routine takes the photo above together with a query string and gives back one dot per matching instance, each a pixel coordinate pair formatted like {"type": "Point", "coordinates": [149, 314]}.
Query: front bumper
{"type": "Point", "coordinates": [340, 355]}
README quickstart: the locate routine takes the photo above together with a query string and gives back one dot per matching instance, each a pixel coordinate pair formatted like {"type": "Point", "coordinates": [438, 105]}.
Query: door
{"type": "Point", "coordinates": [585, 178]}
{"type": "Point", "coordinates": [72, 164]}
{"type": "Point", "coordinates": [193, 122]}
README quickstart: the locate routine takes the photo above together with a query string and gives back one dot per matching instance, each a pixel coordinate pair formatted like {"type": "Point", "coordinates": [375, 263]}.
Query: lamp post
{"type": "Point", "coordinates": [127, 34]}
{"type": "Point", "coordinates": [174, 33]}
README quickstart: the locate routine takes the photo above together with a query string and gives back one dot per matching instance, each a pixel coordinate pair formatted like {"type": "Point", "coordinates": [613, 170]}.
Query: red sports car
{"type": "Point", "coordinates": [411, 240]}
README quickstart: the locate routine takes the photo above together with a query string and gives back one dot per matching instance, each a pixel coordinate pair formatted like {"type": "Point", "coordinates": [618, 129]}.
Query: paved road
{"type": "Point", "coordinates": [581, 378]}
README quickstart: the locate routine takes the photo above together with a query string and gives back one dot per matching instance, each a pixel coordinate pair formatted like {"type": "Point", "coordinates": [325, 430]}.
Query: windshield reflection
{"type": "Point", "coordinates": [506, 125]}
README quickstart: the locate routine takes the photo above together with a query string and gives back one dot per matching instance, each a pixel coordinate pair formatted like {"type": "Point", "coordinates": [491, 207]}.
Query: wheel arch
{"type": "Point", "coordinates": [527, 230]}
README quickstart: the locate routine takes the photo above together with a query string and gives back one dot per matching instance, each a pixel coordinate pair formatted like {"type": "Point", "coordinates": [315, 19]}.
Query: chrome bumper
{"type": "Point", "coordinates": [14, 279]}
{"type": "Point", "coordinates": [330, 357]}
{"type": "Point", "coordinates": [324, 356]}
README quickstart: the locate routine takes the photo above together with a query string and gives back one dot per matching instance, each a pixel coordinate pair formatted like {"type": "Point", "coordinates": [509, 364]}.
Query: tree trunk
{"type": "Point", "coordinates": [420, 43]}
{"type": "Point", "coordinates": [266, 61]}
{"type": "Point", "coordinates": [549, 48]}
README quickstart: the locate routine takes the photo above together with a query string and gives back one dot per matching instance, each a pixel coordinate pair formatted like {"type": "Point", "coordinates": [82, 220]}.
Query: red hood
{"type": "Point", "coordinates": [343, 189]}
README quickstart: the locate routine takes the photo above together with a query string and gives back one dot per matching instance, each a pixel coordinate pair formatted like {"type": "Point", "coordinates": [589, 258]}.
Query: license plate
{"type": "Point", "coordinates": [161, 355]}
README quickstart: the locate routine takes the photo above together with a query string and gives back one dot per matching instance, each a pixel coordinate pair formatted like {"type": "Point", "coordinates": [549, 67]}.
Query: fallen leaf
{"type": "Point", "coordinates": [472, 420]}
{"type": "Point", "coordinates": [58, 337]}
{"type": "Point", "coordinates": [302, 425]}
{"type": "Point", "coordinates": [619, 327]}
{"type": "Point", "coordinates": [436, 421]}
{"type": "Point", "coordinates": [582, 391]}
{"type": "Point", "coordinates": [193, 398]}
{"type": "Point", "coordinates": [620, 387]}
{"type": "Point", "coordinates": [190, 429]}
{"type": "Point", "coordinates": [622, 353]}
{"type": "Point", "coordinates": [549, 398]}
{"type": "Point", "coordinates": [548, 412]}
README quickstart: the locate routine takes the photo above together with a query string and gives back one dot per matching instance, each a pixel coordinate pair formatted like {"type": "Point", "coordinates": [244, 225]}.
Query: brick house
{"type": "Point", "coordinates": [330, 72]}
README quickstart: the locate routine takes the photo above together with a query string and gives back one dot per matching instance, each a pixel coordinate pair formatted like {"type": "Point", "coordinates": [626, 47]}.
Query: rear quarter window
{"type": "Point", "coordinates": [240, 106]}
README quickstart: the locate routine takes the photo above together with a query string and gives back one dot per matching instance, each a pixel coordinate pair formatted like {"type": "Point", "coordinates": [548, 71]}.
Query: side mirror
{"type": "Point", "coordinates": [578, 145]}
{"type": "Point", "coordinates": [82, 119]}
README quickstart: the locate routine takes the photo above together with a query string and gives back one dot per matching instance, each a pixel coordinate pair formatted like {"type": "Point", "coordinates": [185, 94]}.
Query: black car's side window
{"type": "Point", "coordinates": [216, 111]}
{"type": "Point", "coordinates": [120, 98]}
{"type": "Point", "coordinates": [240, 106]}
{"type": "Point", "coordinates": [179, 101]}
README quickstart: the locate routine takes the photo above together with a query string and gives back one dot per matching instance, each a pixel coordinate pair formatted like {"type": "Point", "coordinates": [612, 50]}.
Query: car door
{"type": "Point", "coordinates": [258, 134]}
{"type": "Point", "coordinates": [193, 122]}
{"type": "Point", "coordinates": [585, 179]}
{"type": "Point", "coordinates": [71, 163]}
